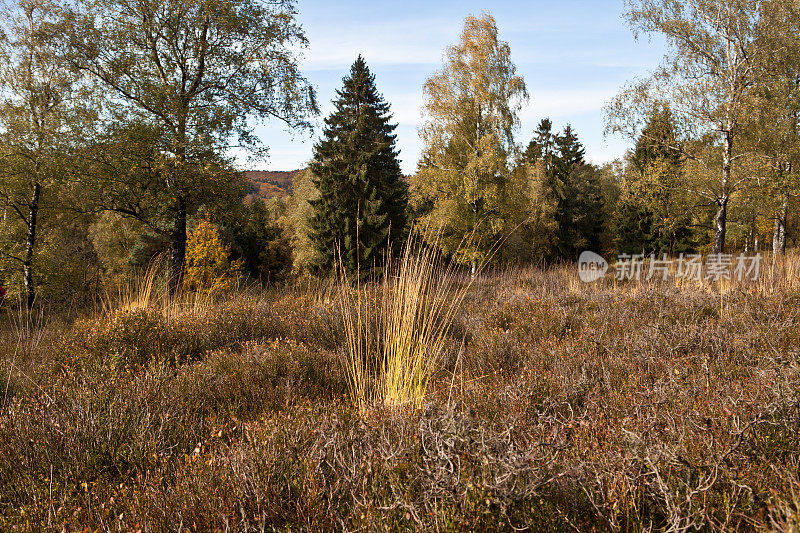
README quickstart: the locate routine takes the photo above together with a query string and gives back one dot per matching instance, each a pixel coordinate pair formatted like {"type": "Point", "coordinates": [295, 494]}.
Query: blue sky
{"type": "Point", "coordinates": [575, 55]}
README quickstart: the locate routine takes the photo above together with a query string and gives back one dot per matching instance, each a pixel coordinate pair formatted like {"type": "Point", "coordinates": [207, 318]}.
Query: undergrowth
{"type": "Point", "coordinates": [552, 405]}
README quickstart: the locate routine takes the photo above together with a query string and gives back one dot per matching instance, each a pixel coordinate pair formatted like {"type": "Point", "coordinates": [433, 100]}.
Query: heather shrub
{"type": "Point", "coordinates": [553, 406]}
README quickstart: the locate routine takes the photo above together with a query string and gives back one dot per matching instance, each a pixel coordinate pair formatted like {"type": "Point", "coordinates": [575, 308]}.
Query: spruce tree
{"type": "Point", "coordinates": [579, 210]}
{"type": "Point", "coordinates": [657, 142]}
{"type": "Point", "coordinates": [362, 202]}
{"type": "Point", "coordinates": [542, 146]}
{"type": "Point", "coordinates": [653, 191]}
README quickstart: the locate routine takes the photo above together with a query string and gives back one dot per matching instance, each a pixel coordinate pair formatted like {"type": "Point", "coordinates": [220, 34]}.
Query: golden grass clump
{"type": "Point", "coordinates": [148, 290]}
{"type": "Point", "coordinates": [396, 330]}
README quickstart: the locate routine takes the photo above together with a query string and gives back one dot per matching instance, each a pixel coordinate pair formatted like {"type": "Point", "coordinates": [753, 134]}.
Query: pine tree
{"type": "Point", "coordinates": [579, 210]}
{"type": "Point", "coordinates": [362, 202]}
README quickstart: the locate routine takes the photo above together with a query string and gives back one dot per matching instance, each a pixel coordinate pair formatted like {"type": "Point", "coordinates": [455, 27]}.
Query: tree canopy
{"type": "Point", "coordinates": [472, 111]}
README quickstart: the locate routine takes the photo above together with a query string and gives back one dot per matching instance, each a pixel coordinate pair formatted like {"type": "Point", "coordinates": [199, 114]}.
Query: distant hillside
{"type": "Point", "coordinates": [266, 184]}
{"type": "Point", "coordinates": [271, 183]}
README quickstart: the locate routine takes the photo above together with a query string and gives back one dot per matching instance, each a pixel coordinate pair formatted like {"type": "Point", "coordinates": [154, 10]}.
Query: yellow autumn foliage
{"type": "Point", "coordinates": [208, 264]}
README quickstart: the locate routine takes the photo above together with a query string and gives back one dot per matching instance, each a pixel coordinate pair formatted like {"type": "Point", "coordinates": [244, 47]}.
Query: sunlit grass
{"type": "Point", "coordinates": [148, 290]}
{"type": "Point", "coordinates": [396, 330]}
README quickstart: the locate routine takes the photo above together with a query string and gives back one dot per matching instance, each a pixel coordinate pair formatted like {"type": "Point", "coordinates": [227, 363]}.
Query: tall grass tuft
{"type": "Point", "coordinates": [143, 291]}
{"type": "Point", "coordinates": [396, 330]}
{"type": "Point", "coordinates": [148, 290]}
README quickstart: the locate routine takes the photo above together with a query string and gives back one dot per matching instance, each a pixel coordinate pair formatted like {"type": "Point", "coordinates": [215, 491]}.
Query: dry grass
{"type": "Point", "coordinates": [397, 331]}
{"type": "Point", "coordinates": [553, 405]}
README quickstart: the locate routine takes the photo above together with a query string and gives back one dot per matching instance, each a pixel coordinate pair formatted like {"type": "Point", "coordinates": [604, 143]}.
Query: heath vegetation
{"type": "Point", "coordinates": [368, 350]}
{"type": "Point", "coordinates": [548, 404]}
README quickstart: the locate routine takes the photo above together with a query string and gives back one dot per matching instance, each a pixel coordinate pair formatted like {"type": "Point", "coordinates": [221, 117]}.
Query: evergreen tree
{"type": "Point", "coordinates": [579, 211]}
{"type": "Point", "coordinates": [633, 225]}
{"type": "Point", "coordinates": [652, 215]}
{"type": "Point", "coordinates": [362, 202]}
{"type": "Point", "coordinates": [657, 142]}
{"type": "Point", "coordinates": [574, 188]}
{"type": "Point", "coordinates": [542, 146]}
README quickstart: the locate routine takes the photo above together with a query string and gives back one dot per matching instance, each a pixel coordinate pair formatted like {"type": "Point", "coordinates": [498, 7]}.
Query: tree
{"type": "Point", "coordinates": [114, 239]}
{"type": "Point", "coordinates": [362, 196]}
{"type": "Point", "coordinates": [259, 242]}
{"type": "Point", "coordinates": [472, 107]}
{"type": "Point", "coordinates": [657, 142]}
{"type": "Point", "coordinates": [575, 187]}
{"type": "Point", "coordinates": [580, 209]}
{"type": "Point", "coordinates": [531, 228]}
{"type": "Point", "coordinates": [775, 131]}
{"type": "Point", "coordinates": [294, 215]}
{"type": "Point", "coordinates": [190, 76]}
{"type": "Point", "coordinates": [707, 80]}
{"type": "Point", "coordinates": [208, 260]}
{"type": "Point", "coordinates": [542, 146]}
{"type": "Point", "coordinates": [40, 121]}
{"type": "Point", "coordinates": [633, 223]}
{"type": "Point", "coordinates": [653, 216]}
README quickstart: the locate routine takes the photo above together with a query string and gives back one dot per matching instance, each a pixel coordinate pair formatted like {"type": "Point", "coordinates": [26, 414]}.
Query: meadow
{"type": "Point", "coordinates": [552, 405]}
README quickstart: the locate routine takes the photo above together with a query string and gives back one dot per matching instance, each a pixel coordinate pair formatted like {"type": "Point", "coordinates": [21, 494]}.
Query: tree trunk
{"type": "Point", "coordinates": [474, 265]}
{"type": "Point", "coordinates": [748, 240]}
{"type": "Point", "coordinates": [779, 234]}
{"type": "Point", "coordinates": [177, 252]}
{"type": "Point", "coordinates": [721, 218]}
{"type": "Point", "coordinates": [30, 243]}
{"type": "Point", "coordinates": [720, 221]}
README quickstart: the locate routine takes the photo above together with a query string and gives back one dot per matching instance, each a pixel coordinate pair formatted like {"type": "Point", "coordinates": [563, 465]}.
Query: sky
{"type": "Point", "coordinates": [574, 55]}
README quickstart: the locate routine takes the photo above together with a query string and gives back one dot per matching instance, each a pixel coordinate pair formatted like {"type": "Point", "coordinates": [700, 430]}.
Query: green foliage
{"type": "Point", "coordinates": [531, 225]}
{"type": "Point", "coordinates": [43, 111]}
{"type": "Point", "coordinates": [460, 190]}
{"type": "Point", "coordinates": [654, 215]}
{"type": "Point", "coordinates": [188, 78]}
{"type": "Point", "coordinates": [575, 190]}
{"type": "Point", "coordinates": [115, 240]}
{"type": "Point", "coordinates": [362, 196]}
{"type": "Point", "coordinates": [260, 243]}
{"type": "Point", "coordinates": [719, 55]}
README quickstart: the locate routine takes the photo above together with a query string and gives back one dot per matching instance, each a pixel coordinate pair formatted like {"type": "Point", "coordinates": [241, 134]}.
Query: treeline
{"type": "Point", "coordinates": [119, 119]}
{"type": "Point", "coordinates": [117, 123]}
{"type": "Point", "coordinates": [713, 168]}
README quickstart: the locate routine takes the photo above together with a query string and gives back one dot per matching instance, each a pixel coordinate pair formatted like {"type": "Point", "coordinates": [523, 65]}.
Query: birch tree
{"type": "Point", "coordinates": [471, 108]}
{"type": "Point", "coordinates": [196, 74]}
{"type": "Point", "coordinates": [707, 79]}
{"type": "Point", "coordinates": [40, 120]}
{"type": "Point", "coordinates": [776, 131]}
